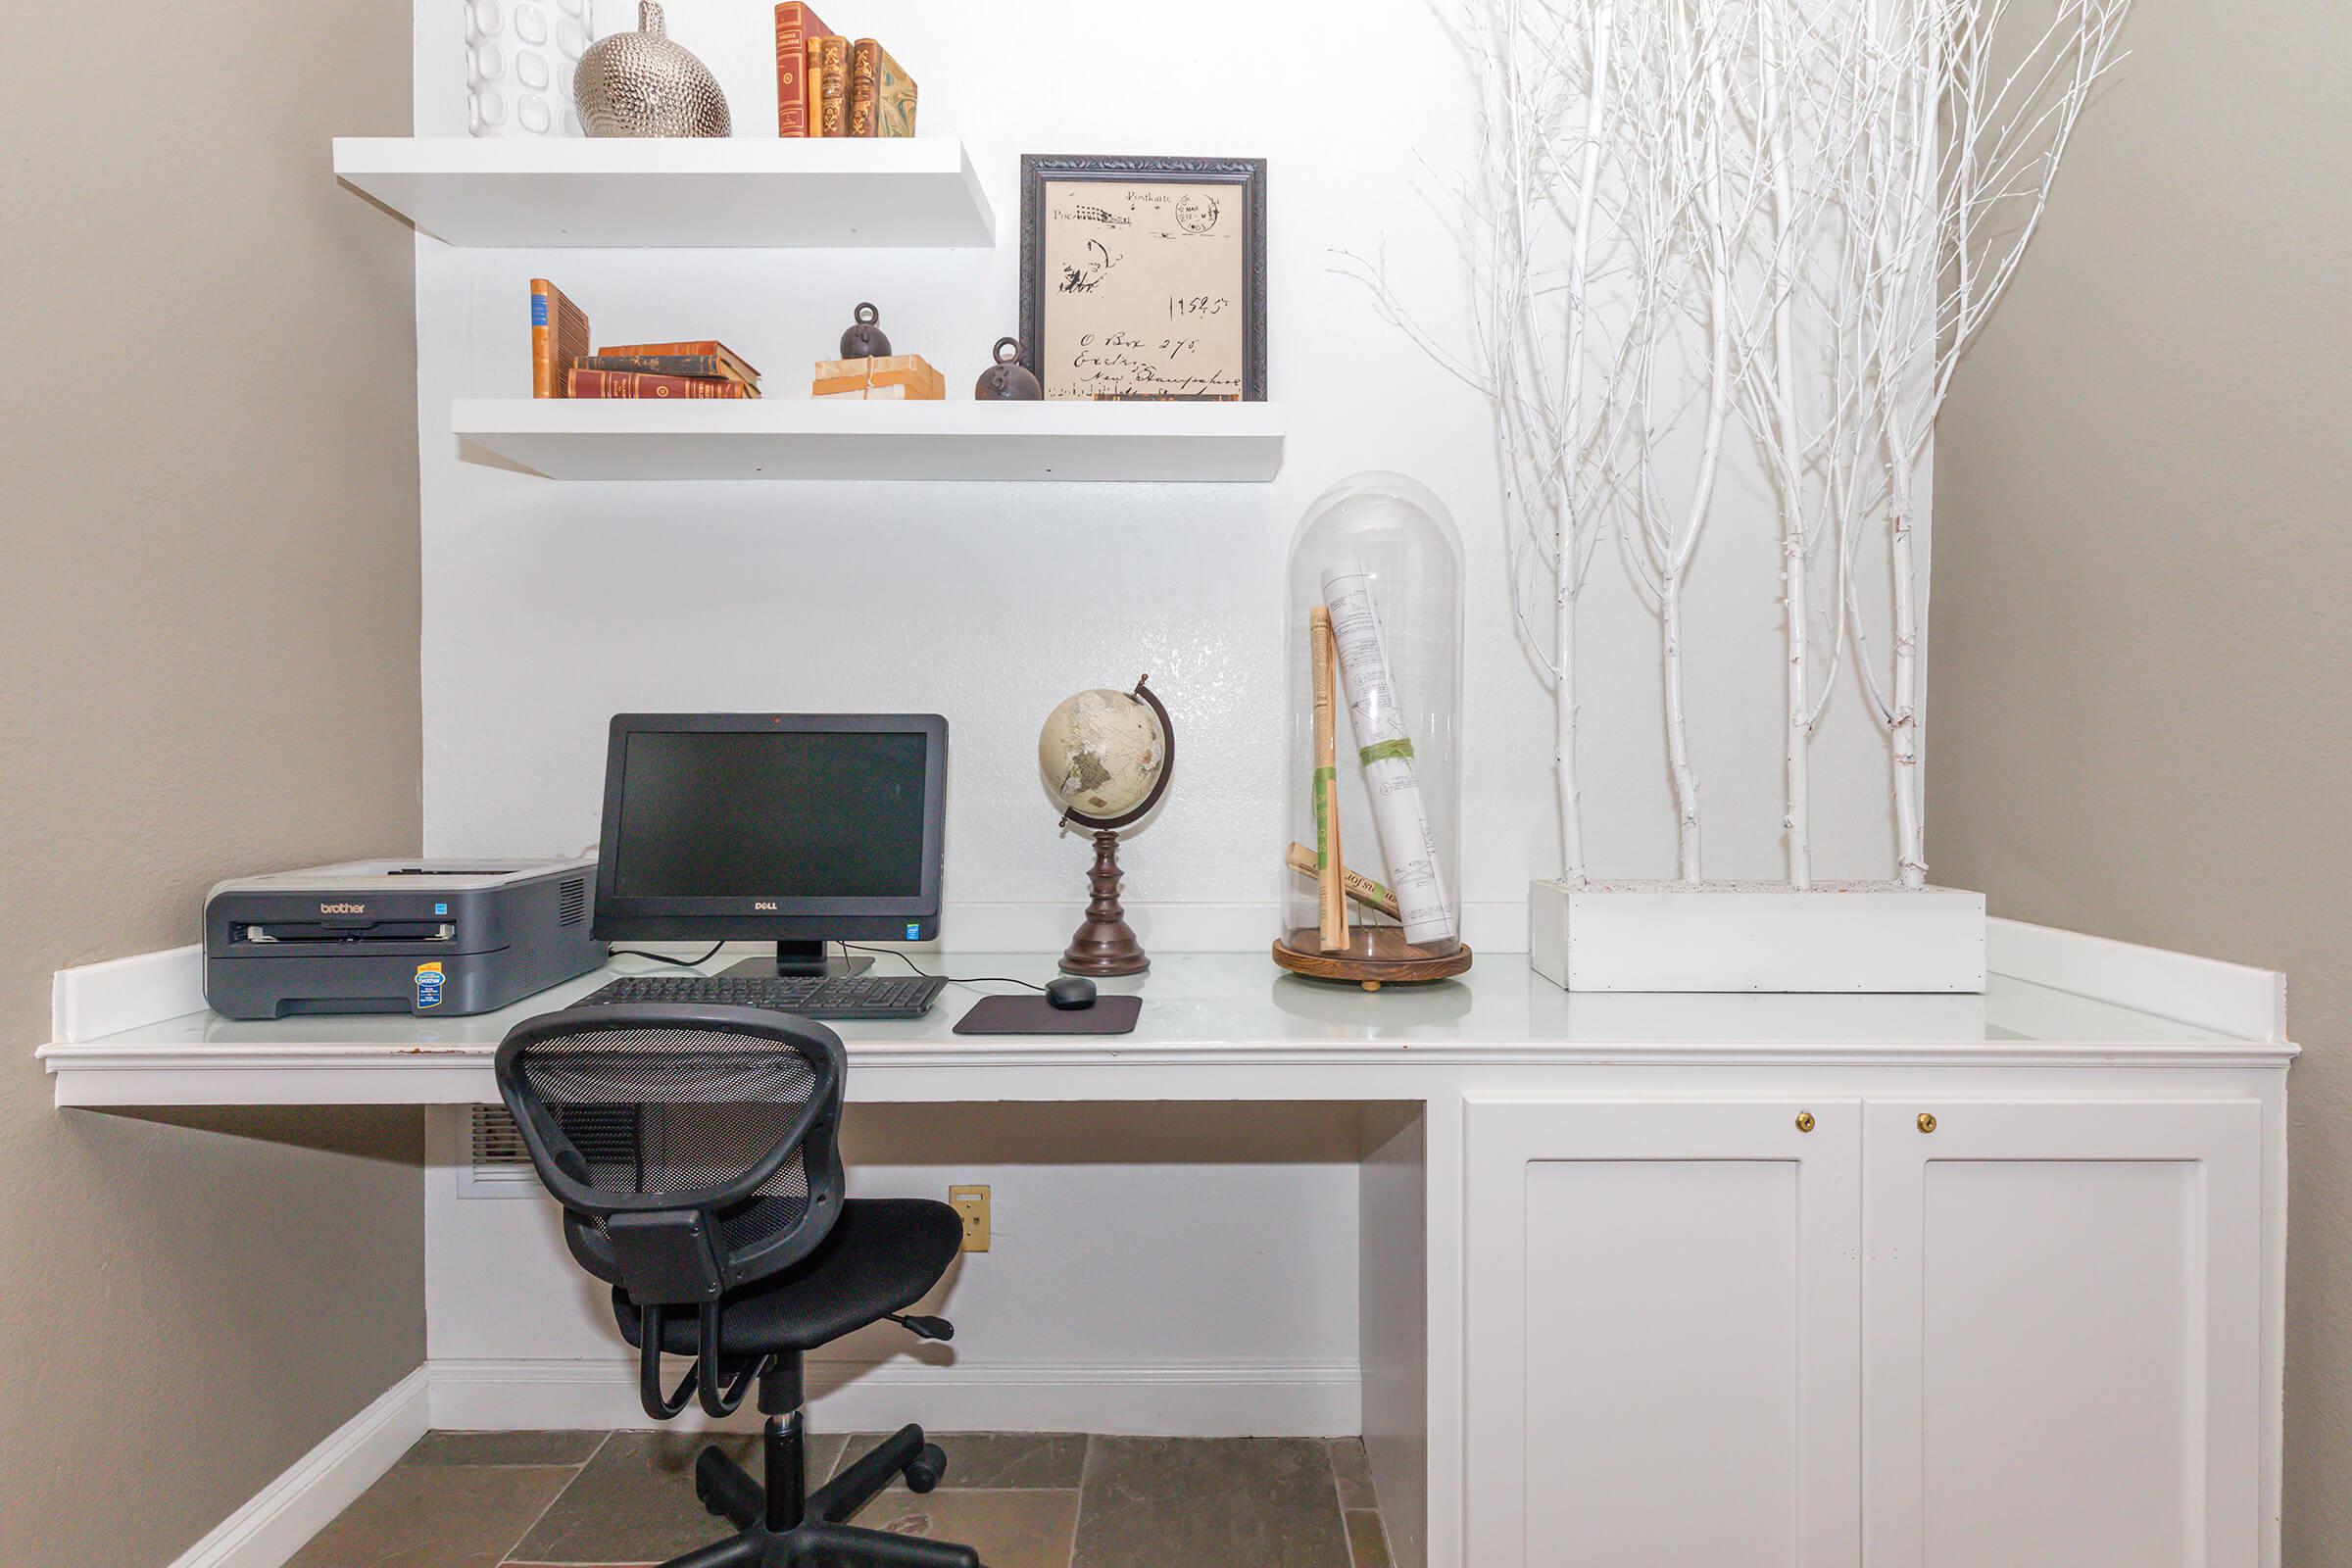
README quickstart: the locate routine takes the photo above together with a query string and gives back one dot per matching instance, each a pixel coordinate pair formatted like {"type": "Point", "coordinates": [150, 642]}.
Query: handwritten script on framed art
{"type": "Point", "coordinates": [1145, 277]}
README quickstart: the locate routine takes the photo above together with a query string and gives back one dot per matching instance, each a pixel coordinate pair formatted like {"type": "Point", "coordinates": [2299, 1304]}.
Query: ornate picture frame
{"type": "Point", "coordinates": [1145, 278]}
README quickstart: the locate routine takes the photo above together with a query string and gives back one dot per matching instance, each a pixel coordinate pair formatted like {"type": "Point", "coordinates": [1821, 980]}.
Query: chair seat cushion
{"type": "Point", "coordinates": [881, 1257]}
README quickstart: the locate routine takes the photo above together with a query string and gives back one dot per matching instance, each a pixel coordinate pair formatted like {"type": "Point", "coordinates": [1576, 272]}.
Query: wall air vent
{"type": "Point", "coordinates": [571, 902]}
{"type": "Point", "coordinates": [496, 1141]}
{"type": "Point", "coordinates": [496, 1164]}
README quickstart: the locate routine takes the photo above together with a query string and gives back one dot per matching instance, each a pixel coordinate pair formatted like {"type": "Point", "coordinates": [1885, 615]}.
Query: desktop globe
{"type": "Point", "coordinates": [1105, 758]}
{"type": "Point", "coordinates": [1103, 753]}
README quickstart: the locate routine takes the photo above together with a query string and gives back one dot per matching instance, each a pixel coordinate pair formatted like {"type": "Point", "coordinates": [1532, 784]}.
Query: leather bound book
{"type": "Point", "coordinates": [702, 366]}
{"type": "Point", "coordinates": [797, 29]}
{"type": "Point", "coordinates": [737, 366]}
{"type": "Point", "coordinates": [634, 384]}
{"type": "Point", "coordinates": [559, 339]}
{"type": "Point", "coordinates": [809, 73]}
{"type": "Point", "coordinates": [833, 85]}
{"type": "Point", "coordinates": [894, 97]}
{"type": "Point", "coordinates": [865, 60]}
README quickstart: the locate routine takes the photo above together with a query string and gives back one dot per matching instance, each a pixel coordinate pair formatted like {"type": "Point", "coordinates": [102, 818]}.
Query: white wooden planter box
{"type": "Point", "coordinates": [1756, 936]}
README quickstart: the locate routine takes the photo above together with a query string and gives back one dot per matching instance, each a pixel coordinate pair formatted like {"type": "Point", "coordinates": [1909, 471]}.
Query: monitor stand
{"type": "Point", "coordinates": [798, 958]}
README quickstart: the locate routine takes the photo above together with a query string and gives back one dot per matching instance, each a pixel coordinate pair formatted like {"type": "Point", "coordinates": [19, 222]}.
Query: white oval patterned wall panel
{"type": "Point", "coordinates": [520, 57]}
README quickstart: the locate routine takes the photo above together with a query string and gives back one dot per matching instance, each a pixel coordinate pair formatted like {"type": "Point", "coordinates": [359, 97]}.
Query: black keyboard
{"type": "Point", "coordinates": [857, 995]}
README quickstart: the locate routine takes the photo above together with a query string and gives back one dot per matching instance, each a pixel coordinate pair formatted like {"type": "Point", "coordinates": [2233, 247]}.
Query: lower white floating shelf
{"type": "Point", "coordinates": [804, 438]}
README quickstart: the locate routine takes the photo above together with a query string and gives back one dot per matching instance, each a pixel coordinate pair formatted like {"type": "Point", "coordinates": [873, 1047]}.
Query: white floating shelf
{"type": "Point", "coordinates": [804, 438]}
{"type": "Point", "coordinates": [740, 191]}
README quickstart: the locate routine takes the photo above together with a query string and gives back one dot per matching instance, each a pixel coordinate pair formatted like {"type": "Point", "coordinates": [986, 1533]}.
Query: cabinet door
{"type": "Point", "coordinates": [1663, 1331]}
{"type": "Point", "coordinates": [2062, 1349]}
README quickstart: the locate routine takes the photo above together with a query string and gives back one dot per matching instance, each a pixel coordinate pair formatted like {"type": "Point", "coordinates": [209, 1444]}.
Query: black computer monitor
{"type": "Point", "coordinates": [797, 828]}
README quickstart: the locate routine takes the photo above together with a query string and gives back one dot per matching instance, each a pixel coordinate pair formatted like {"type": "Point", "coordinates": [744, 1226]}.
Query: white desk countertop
{"type": "Point", "coordinates": [1227, 1011]}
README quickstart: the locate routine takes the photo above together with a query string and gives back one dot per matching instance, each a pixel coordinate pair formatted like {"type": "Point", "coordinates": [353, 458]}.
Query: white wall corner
{"type": "Point", "coordinates": [275, 1522]}
{"type": "Point", "coordinates": [92, 1000]}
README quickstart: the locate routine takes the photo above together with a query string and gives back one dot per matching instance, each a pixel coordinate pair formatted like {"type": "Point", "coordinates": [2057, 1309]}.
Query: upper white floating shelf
{"type": "Point", "coordinates": [722, 191]}
{"type": "Point", "coordinates": [807, 438]}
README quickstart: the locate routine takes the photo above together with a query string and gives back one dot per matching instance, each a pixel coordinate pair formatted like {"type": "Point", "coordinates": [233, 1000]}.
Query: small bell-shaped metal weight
{"type": "Point", "coordinates": [1007, 381]}
{"type": "Point", "coordinates": [864, 339]}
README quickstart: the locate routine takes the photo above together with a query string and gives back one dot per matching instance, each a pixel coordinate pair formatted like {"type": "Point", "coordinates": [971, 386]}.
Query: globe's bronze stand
{"type": "Point", "coordinates": [1375, 955]}
{"type": "Point", "coordinates": [1104, 944]}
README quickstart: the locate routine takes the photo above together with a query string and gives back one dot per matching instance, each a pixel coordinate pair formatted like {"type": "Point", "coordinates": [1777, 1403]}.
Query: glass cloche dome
{"type": "Point", "coordinates": [1375, 577]}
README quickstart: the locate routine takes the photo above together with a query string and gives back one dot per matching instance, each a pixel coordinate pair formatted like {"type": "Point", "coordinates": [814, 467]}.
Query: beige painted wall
{"type": "Point", "coordinates": [2142, 684]}
{"type": "Point", "coordinates": [208, 665]}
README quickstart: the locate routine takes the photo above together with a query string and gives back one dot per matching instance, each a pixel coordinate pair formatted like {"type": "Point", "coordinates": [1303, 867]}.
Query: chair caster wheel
{"type": "Point", "coordinates": [711, 1483]}
{"type": "Point", "coordinates": [924, 1470]}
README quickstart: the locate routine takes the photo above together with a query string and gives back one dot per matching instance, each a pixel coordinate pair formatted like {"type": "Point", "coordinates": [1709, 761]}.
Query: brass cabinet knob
{"type": "Point", "coordinates": [1927, 1121]}
{"type": "Point", "coordinates": [1804, 1121]}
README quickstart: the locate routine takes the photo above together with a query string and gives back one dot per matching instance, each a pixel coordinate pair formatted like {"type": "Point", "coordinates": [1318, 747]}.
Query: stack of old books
{"type": "Point", "coordinates": [563, 365]}
{"type": "Point", "coordinates": [831, 86]}
{"type": "Point", "coordinates": [701, 368]}
{"type": "Point", "coordinates": [879, 377]}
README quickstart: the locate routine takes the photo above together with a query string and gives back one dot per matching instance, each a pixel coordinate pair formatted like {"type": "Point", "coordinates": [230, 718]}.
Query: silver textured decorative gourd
{"type": "Point", "coordinates": [642, 85]}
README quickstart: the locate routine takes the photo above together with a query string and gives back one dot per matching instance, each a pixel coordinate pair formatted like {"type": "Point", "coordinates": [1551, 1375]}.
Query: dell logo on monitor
{"type": "Point", "coordinates": [764, 903]}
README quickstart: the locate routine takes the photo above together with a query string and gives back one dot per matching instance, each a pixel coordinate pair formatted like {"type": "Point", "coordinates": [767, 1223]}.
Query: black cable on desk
{"type": "Point", "coordinates": [952, 979]}
{"type": "Point", "coordinates": [664, 958]}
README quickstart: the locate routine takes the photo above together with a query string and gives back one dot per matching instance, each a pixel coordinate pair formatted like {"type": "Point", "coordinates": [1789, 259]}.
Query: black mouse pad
{"type": "Point", "coordinates": [1035, 1015]}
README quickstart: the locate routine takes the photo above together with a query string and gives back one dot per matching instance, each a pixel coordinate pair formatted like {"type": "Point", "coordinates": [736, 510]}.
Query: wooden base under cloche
{"type": "Point", "coordinates": [1376, 955]}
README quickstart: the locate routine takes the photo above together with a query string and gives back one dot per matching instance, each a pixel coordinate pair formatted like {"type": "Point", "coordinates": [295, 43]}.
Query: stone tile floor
{"type": "Point", "coordinates": [482, 1499]}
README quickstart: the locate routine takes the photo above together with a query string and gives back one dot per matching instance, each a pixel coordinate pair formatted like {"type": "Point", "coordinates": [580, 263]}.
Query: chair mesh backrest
{"type": "Point", "coordinates": [678, 1112]}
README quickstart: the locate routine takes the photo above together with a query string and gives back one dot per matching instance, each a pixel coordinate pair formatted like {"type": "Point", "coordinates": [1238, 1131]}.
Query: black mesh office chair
{"type": "Point", "coordinates": [694, 1150]}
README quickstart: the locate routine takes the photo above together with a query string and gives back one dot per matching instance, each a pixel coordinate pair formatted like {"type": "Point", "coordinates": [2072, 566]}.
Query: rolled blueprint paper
{"type": "Point", "coordinates": [1400, 819]}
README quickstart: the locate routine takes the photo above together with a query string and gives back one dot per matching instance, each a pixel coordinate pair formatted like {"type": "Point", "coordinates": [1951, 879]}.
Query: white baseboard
{"type": "Point", "coordinates": [287, 1513]}
{"type": "Point", "coordinates": [1205, 1400]}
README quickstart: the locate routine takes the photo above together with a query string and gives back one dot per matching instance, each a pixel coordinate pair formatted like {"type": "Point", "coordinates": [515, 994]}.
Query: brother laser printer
{"type": "Point", "coordinates": [396, 936]}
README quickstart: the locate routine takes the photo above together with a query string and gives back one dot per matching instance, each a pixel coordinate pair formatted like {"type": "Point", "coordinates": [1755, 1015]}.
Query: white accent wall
{"type": "Point", "coordinates": [1178, 1268]}
{"type": "Point", "coordinates": [549, 607]}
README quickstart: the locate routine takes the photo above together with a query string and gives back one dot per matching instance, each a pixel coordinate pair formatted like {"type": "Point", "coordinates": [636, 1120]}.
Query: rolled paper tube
{"type": "Point", "coordinates": [1385, 751]}
{"type": "Point", "coordinates": [1330, 902]}
{"type": "Point", "coordinates": [1362, 889]}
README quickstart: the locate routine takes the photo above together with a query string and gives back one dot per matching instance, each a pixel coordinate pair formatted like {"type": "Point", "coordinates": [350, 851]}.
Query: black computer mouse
{"type": "Point", "coordinates": [1069, 993]}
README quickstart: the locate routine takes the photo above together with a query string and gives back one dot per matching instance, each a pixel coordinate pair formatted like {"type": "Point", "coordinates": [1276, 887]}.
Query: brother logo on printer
{"type": "Point", "coordinates": [428, 985]}
{"type": "Point", "coordinates": [342, 909]}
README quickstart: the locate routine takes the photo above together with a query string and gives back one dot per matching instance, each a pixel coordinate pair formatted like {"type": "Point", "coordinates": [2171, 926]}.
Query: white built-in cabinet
{"type": "Point", "coordinates": [2062, 1340]}
{"type": "Point", "coordinates": [1913, 1332]}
